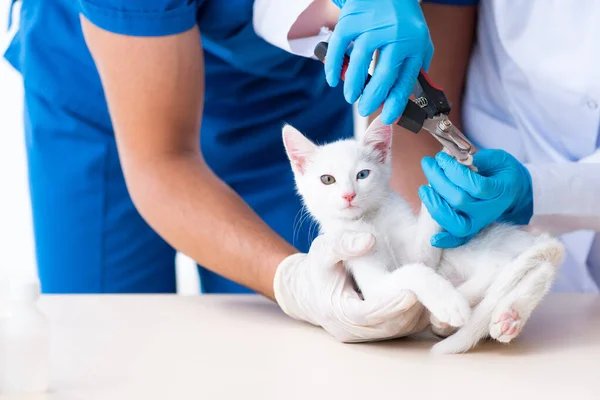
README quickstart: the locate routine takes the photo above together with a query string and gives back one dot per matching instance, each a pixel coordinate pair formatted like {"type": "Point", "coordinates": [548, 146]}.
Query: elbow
{"type": "Point", "coordinates": [142, 187]}
{"type": "Point", "coordinates": [153, 183]}
{"type": "Point", "coordinates": [147, 182]}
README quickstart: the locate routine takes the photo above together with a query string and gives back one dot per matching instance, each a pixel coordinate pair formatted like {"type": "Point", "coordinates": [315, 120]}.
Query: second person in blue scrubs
{"type": "Point", "coordinates": [155, 125]}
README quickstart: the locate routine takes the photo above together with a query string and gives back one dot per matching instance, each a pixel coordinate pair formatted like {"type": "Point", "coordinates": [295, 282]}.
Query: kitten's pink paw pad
{"type": "Point", "coordinates": [441, 328]}
{"type": "Point", "coordinates": [437, 323]}
{"type": "Point", "coordinates": [506, 327]}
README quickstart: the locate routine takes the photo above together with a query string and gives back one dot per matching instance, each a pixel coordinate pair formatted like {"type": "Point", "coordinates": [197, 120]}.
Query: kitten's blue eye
{"type": "Point", "coordinates": [327, 179]}
{"type": "Point", "coordinates": [363, 174]}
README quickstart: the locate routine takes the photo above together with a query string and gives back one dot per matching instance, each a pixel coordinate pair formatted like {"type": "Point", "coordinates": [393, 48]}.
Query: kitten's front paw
{"type": "Point", "coordinates": [448, 307]}
{"type": "Point", "coordinates": [441, 329]}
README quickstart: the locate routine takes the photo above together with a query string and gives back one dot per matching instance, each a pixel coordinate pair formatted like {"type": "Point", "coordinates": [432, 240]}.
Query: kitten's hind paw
{"type": "Point", "coordinates": [506, 326]}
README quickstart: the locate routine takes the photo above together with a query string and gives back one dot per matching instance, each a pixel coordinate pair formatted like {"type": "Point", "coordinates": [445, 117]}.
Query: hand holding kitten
{"type": "Point", "coordinates": [316, 288]}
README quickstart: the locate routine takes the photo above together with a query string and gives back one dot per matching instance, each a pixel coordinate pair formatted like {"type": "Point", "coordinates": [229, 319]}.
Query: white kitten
{"type": "Point", "coordinates": [503, 272]}
{"type": "Point", "coordinates": [344, 186]}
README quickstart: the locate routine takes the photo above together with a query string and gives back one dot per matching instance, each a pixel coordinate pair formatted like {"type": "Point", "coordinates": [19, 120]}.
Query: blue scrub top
{"type": "Point", "coordinates": [236, 55]}
{"type": "Point", "coordinates": [251, 88]}
{"type": "Point", "coordinates": [234, 50]}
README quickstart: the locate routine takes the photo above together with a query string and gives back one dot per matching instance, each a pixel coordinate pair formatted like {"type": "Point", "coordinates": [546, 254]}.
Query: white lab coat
{"type": "Point", "coordinates": [533, 89]}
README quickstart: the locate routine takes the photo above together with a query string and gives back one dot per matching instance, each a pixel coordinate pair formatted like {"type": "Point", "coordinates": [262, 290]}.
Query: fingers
{"type": "Point", "coordinates": [429, 50]}
{"type": "Point", "coordinates": [328, 249]}
{"type": "Point", "coordinates": [454, 195]}
{"type": "Point", "coordinates": [359, 313]}
{"type": "Point", "coordinates": [473, 183]}
{"type": "Point", "coordinates": [358, 69]}
{"type": "Point", "coordinates": [488, 160]}
{"type": "Point", "coordinates": [444, 240]}
{"type": "Point", "coordinates": [338, 43]}
{"type": "Point", "coordinates": [403, 87]}
{"type": "Point", "coordinates": [384, 76]}
{"type": "Point", "coordinates": [353, 244]}
{"type": "Point", "coordinates": [395, 307]}
{"type": "Point", "coordinates": [452, 221]}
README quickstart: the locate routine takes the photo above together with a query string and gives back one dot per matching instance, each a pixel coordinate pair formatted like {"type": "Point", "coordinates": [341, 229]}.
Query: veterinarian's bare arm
{"type": "Point", "coordinates": [319, 14]}
{"type": "Point", "coordinates": [453, 31]}
{"type": "Point", "coordinates": [155, 92]}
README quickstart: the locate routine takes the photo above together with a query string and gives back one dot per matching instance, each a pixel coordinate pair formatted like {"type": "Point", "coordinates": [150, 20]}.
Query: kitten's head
{"type": "Point", "coordinates": [343, 179]}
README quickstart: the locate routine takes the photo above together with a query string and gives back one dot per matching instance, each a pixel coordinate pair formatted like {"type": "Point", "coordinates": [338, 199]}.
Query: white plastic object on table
{"type": "Point", "coordinates": [24, 341]}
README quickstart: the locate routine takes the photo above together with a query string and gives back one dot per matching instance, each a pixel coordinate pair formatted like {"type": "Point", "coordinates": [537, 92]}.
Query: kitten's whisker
{"type": "Point", "coordinates": [298, 219]}
{"type": "Point", "coordinates": [313, 224]}
{"type": "Point", "coordinates": [304, 214]}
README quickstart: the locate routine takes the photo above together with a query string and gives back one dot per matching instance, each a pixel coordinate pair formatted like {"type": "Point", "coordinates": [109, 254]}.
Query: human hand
{"type": "Point", "coordinates": [395, 27]}
{"type": "Point", "coordinates": [316, 288]}
{"type": "Point", "coordinates": [464, 202]}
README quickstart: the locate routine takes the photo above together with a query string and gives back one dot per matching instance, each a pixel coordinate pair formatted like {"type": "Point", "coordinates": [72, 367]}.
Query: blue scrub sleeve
{"type": "Point", "coordinates": [141, 17]}
{"type": "Point", "coordinates": [454, 2]}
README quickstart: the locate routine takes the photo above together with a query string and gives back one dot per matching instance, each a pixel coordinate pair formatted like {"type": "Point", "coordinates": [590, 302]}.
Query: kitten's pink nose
{"type": "Point", "coordinates": [349, 196]}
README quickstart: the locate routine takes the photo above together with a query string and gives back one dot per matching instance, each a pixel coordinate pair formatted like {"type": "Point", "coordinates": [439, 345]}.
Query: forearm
{"type": "Point", "coordinates": [296, 25]}
{"type": "Point", "coordinates": [198, 214]}
{"type": "Point", "coordinates": [565, 196]}
{"type": "Point", "coordinates": [320, 13]}
{"type": "Point", "coordinates": [155, 93]}
{"type": "Point", "coordinates": [452, 30]}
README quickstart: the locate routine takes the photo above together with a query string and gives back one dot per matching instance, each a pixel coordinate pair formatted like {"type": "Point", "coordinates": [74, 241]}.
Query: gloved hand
{"type": "Point", "coordinates": [316, 288]}
{"type": "Point", "coordinates": [464, 202]}
{"type": "Point", "coordinates": [398, 29]}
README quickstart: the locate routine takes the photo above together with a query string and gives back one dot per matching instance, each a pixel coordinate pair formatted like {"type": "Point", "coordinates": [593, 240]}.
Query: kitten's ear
{"type": "Point", "coordinates": [298, 148]}
{"type": "Point", "coordinates": [378, 138]}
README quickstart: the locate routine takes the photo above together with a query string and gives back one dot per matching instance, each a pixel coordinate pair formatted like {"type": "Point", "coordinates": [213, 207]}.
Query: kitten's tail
{"type": "Point", "coordinates": [546, 251]}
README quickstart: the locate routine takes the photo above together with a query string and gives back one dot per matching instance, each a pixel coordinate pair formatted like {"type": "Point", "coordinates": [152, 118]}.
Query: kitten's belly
{"type": "Point", "coordinates": [454, 275]}
{"type": "Point", "coordinates": [492, 249]}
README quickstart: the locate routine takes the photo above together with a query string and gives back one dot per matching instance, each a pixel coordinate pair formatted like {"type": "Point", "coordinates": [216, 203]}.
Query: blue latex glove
{"type": "Point", "coordinates": [464, 202]}
{"type": "Point", "coordinates": [395, 27]}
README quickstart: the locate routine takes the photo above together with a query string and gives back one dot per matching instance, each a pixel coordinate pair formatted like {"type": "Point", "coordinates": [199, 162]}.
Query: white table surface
{"type": "Point", "coordinates": [244, 347]}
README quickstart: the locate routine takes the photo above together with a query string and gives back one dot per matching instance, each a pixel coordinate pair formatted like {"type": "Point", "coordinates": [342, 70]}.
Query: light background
{"type": "Point", "coordinates": [16, 244]}
{"type": "Point", "coordinates": [16, 233]}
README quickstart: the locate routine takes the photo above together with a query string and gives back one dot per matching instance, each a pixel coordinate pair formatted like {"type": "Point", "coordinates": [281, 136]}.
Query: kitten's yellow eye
{"type": "Point", "coordinates": [327, 179]}
{"type": "Point", "coordinates": [363, 174]}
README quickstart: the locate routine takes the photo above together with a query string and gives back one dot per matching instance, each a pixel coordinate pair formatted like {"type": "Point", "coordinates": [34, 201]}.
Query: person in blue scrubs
{"type": "Point", "coordinates": [116, 186]}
